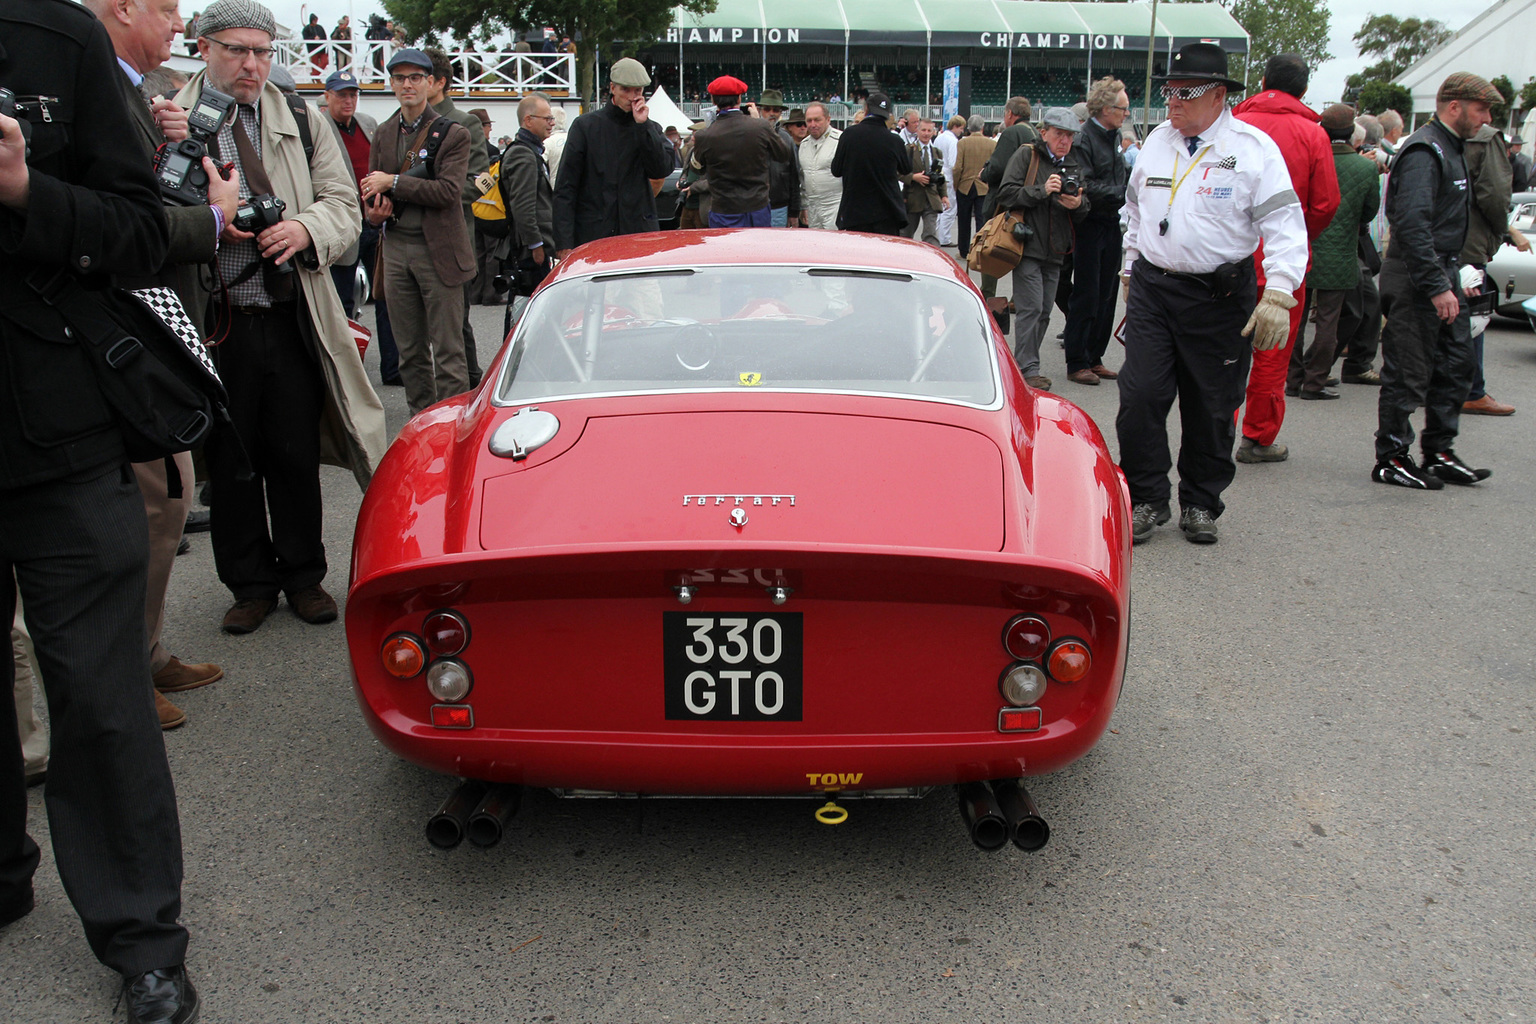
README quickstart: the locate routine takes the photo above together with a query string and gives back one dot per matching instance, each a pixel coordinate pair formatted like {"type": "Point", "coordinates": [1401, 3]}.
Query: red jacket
{"type": "Point", "coordinates": [1308, 153]}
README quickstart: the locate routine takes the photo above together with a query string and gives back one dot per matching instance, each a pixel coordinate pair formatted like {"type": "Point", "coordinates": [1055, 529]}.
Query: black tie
{"type": "Point", "coordinates": [1194, 144]}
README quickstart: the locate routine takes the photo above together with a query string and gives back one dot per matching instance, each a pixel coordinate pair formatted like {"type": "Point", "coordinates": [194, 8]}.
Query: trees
{"type": "Point", "coordinates": [1398, 42]}
{"type": "Point", "coordinates": [1374, 97]}
{"type": "Point", "coordinates": [591, 23]}
{"type": "Point", "coordinates": [1281, 26]}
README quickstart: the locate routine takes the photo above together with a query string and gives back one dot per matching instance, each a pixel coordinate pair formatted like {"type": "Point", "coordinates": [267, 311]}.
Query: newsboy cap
{"type": "Point", "coordinates": [1464, 85]}
{"type": "Point", "coordinates": [1339, 121]}
{"type": "Point", "coordinates": [223, 14]}
{"type": "Point", "coordinates": [410, 56]}
{"type": "Point", "coordinates": [627, 71]}
{"type": "Point", "coordinates": [727, 85]}
{"type": "Point", "coordinates": [1062, 118]}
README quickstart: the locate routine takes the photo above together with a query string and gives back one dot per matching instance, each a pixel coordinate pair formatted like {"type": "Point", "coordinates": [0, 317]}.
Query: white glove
{"type": "Point", "coordinates": [1271, 320]}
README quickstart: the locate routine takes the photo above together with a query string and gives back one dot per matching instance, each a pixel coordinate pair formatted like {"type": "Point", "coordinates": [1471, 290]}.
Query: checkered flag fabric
{"type": "Point", "coordinates": [167, 306]}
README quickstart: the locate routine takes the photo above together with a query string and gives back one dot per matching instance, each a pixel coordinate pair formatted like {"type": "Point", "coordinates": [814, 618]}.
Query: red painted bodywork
{"type": "Point", "coordinates": [919, 530]}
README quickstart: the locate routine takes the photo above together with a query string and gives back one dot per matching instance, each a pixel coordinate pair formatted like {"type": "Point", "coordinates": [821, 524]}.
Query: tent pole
{"type": "Point", "coordinates": [680, 94]}
{"type": "Point", "coordinates": [1146, 106]}
{"type": "Point", "coordinates": [928, 78]}
{"type": "Point", "coordinates": [1008, 80]}
{"type": "Point", "coordinates": [1089, 86]}
{"type": "Point", "coordinates": [847, 97]}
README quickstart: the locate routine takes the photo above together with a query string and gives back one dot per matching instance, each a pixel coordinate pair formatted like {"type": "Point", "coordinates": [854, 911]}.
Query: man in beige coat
{"type": "Point", "coordinates": [820, 192]}
{"type": "Point", "coordinates": [971, 156]}
{"type": "Point", "coordinates": [298, 395]}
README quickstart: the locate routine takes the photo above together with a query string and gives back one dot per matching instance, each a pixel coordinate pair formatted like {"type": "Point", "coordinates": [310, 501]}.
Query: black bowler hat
{"type": "Point", "coordinates": [1205, 62]}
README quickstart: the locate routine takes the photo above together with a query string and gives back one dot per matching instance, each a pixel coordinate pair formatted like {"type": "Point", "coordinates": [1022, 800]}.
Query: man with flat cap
{"type": "Point", "coordinates": [871, 160]}
{"type": "Point", "coordinates": [603, 187]}
{"type": "Point", "coordinates": [1426, 345]}
{"type": "Point", "coordinates": [1206, 190]}
{"type": "Point", "coordinates": [735, 154]}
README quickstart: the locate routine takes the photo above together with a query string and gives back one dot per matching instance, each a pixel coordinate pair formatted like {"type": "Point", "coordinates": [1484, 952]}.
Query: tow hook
{"type": "Point", "coordinates": [830, 813]}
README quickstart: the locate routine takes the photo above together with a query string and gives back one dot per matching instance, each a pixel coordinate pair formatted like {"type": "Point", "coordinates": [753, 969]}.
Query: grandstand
{"type": "Point", "coordinates": [838, 49]}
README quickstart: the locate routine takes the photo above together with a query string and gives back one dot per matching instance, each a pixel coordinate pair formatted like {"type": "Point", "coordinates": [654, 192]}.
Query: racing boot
{"type": "Point", "coordinates": [1447, 467]}
{"type": "Point", "coordinates": [1404, 472]}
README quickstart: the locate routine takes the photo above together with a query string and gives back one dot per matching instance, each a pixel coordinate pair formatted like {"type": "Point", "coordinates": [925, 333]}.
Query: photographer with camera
{"type": "Point", "coordinates": [142, 38]}
{"type": "Point", "coordinates": [415, 174]}
{"type": "Point", "coordinates": [76, 206]}
{"type": "Point", "coordinates": [926, 191]}
{"type": "Point", "coordinates": [298, 394]}
{"type": "Point", "coordinates": [1043, 182]}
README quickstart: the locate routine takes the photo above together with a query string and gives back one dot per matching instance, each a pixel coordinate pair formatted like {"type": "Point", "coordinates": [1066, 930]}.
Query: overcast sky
{"type": "Point", "coordinates": [1327, 83]}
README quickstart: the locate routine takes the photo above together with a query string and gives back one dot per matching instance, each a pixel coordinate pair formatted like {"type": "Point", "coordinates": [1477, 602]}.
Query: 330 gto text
{"type": "Point", "coordinates": [733, 667]}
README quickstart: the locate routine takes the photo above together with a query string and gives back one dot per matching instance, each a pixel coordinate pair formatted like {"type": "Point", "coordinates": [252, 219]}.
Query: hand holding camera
{"type": "Point", "coordinates": [170, 119]}
{"type": "Point", "coordinates": [14, 177]}
{"type": "Point", "coordinates": [184, 181]}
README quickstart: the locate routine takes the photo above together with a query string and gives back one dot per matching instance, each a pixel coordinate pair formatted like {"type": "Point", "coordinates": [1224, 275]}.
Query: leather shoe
{"type": "Point", "coordinates": [171, 716]}
{"type": "Point", "coordinates": [1487, 406]}
{"type": "Point", "coordinates": [199, 521]}
{"type": "Point", "coordinates": [247, 616]}
{"type": "Point", "coordinates": [175, 676]}
{"type": "Point", "coordinates": [1083, 377]}
{"type": "Point", "coordinates": [1292, 392]}
{"type": "Point", "coordinates": [313, 605]}
{"type": "Point", "coordinates": [1320, 395]}
{"type": "Point", "coordinates": [1038, 382]}
{"type": "Point", "coordinates": [165, 996]}
{"type": "Point", "coordinates": [1104, 373]}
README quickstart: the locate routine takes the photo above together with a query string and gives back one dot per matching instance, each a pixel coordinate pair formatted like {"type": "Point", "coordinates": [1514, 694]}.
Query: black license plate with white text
{"type": "Point", "coordinates": [733, 666]}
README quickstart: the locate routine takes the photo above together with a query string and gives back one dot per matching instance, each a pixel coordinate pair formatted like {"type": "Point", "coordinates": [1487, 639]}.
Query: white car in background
{"type": "Point", "coordinates": [1511, 271]}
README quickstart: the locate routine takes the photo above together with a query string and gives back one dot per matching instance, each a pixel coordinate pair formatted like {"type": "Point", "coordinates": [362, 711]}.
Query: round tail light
{"type": "Point", "coordinates": [1026, 637]}
{"type": "Point", "coordinates": [1069, 661]}
{"type": "Point", "coordinates": [447, 633]}
{"type": "Point", "coordinates": [449, 680]}
{"type": "Point", "coordinates": [1023, 684]}
{"type": "Point", "coordinates": [403, 655]}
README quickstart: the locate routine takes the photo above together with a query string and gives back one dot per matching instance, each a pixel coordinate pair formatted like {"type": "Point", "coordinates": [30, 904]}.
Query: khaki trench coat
{"type": "Point", "coordinates": [322, 197]}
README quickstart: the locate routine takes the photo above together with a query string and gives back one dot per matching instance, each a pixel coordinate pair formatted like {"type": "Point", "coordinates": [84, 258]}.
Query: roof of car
{"type": "Point", "coordinates": [738, 246]}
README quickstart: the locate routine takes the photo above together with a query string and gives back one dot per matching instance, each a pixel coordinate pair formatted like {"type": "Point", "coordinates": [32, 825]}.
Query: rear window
{"type": "Point", "coordinates": [774, 328]}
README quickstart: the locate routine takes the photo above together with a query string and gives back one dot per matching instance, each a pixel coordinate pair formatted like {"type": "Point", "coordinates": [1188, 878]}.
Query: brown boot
{"type": "Point", "coordinates": [176, 676]}
{"type": "Point", "coordinates": [313, 605]}
{"type": "Point", "coordinates": [171, 716]}
{"type": "Point", "coordinates": [248, 615]}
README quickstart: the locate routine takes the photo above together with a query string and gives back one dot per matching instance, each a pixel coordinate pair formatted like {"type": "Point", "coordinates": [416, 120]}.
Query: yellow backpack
{"type": "Point", "coordinates": [490, 209]}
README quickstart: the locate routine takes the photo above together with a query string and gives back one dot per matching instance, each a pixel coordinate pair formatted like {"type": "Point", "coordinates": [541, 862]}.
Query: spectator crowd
{"type": "Point", "coordinates": [1207, 247]}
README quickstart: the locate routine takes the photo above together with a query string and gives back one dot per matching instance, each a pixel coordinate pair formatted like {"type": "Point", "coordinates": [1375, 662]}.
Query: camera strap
{"type": "Point", "coordinates": [280, 288]}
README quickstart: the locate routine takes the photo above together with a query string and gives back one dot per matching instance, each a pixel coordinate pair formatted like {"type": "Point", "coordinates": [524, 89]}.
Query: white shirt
{"type": "Point", "coordinates": [1219, 205]}
{"type": "Point", "coordinates": [947, 144]}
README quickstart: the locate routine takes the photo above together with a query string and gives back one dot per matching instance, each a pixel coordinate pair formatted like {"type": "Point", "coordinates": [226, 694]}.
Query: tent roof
{"type": "Point", "coordinates": [1499, 38]}
{"type": "Point", "coordinates": [986, 24]}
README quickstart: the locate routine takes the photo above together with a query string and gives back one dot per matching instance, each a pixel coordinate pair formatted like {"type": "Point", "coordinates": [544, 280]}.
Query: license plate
{"type": "Point", "coordinates": [732, 667]}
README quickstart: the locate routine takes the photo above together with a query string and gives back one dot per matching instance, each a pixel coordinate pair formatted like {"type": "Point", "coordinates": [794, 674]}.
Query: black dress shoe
{"type": "Point", "coordinates": [199, 521]}
{"type": "Point", "coordinates": [1320, 395]}
{"type": "Point", "coordinates": [394, 382]}
{"type": "Point", "coordinates": [165, 996]}
{"type": "Point", "coordinates": [16, 907]}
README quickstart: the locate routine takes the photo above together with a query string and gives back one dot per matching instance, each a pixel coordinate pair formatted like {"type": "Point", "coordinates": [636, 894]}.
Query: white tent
{"type": "Point", "coordinates": [667, 114]}
{"type": "Point", "coordinates": [1496, 42]}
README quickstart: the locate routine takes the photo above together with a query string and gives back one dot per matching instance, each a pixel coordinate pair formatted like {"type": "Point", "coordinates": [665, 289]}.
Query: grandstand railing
{"type": "Point", "coordinates": [478, 72]}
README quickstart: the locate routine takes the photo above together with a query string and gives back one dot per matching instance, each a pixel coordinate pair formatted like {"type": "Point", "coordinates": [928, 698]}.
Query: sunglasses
{"type": "Point", "coordinates": [1186, 92]}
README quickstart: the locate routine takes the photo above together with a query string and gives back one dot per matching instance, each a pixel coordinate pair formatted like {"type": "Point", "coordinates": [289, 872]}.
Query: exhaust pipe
{"type": "Point", "coordinates": [983, 817]}
{"type": "Point", "coordinates": [1029, 830]}
{"type": "Point", "coordinates": [445, 829]}
{"type": "Point", "coordinates": [490, 817]}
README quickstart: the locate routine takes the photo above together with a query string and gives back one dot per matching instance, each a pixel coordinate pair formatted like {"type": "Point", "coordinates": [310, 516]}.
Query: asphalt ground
{"type": "Point", "coordinates": [1315, 803]}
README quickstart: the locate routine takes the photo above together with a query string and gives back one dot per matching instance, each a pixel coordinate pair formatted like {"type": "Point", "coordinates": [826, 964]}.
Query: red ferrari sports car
{"type": "Point", "coordinates": [745, 512]}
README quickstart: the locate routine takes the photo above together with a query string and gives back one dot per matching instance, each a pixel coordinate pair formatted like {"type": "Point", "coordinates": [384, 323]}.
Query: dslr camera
{"type": "Point", "coordinates": [1023, 232]}
{"type": "Point", "coordinates": [258, 214]}
{"type": "Point", "coordinates": [179, 165]}
{"type": "Point", "coordinates": [1070, 186]}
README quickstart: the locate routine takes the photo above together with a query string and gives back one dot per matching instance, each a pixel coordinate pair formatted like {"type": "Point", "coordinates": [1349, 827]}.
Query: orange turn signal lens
{"type": "Point", "coordinates": [404, 656]}
{"type": "Point", "coordinates": [1069, 661]}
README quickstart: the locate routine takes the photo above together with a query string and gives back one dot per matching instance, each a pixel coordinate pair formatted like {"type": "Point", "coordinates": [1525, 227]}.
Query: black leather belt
{"type": "Point", "coordinates": [1209, 280]}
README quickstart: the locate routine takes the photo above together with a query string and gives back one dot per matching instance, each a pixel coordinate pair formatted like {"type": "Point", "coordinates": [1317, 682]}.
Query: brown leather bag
{"type": "Point", "coordinates": [995, 251]}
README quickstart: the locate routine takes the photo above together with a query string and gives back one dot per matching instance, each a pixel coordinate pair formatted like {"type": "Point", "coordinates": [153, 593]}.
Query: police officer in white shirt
{"type": "Point", "coordinates": [1206, 190]}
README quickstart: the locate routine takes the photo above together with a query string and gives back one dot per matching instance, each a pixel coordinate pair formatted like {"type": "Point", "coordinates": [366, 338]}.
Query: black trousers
{"type": "Point", "coordinates": [276, 395]}
{"type": "Point", "coordinates": [1095, 281]}
{"type": "Point", "coordinates": [1360, 325]}
{"type": "Point", "coordinates": [968, 214]}
{"type": "Point", "coordinates": [1424, 362]}
{"type": "Point", "coordinates": [1181, 341]}
{"type": "Point", "coordinates": [79, 552]}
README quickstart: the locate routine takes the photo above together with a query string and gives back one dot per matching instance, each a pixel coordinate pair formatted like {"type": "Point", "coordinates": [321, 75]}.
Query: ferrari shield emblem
{"type": "Point", "coordinates": [750, 380]}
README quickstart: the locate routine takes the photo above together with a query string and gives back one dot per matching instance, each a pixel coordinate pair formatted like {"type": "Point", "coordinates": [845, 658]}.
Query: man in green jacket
{"type": "Point", "coordinates": [1335, 269]}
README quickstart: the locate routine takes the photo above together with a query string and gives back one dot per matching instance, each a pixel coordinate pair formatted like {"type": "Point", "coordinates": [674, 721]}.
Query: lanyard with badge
{"type": "Point", "coordinates": [1177, 180]}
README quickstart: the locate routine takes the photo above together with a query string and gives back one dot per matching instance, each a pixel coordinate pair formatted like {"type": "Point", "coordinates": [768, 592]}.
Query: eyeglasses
{"type": "Point", "coordinates": [543, 117]}
{"type": "Point", "coordinates": [263, 53]}
{"type": "Point", "coordinates": [1123, 110]}
{"type": "Point", "coordinates": [415, 78]}
{"type": "Point", "coordinates": [1186, 92]}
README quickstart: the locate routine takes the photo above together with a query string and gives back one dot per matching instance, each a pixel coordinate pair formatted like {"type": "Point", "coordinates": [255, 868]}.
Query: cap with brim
{"type": "Point", "coordinates": [772, 98]}
{"type": "Point", "coordinates": [1515, 140]}
{"type": "Point", "coordinates": [795, 116]}
{"type": "Point", "coordinates": [341, 80]}
{"type": "Point", "coordinates": [483, 114]}
{"type": "Point", "coordinates": [1464, 85]}
{"type": "Point", "coordinates": [223, 14]}
{"type": "Point", "coordinates": [1062, 118]}
{"type": "Point", "coordinates": [727, 85]}
{"type": "Point", "coordinates": [878, 104]}
{"type": "Point", "coordinates": [410, 56]}
{"type": "Point", "coordinates": [630, 73]}
{"type": "Point", "coordinates": [1201, 62]}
